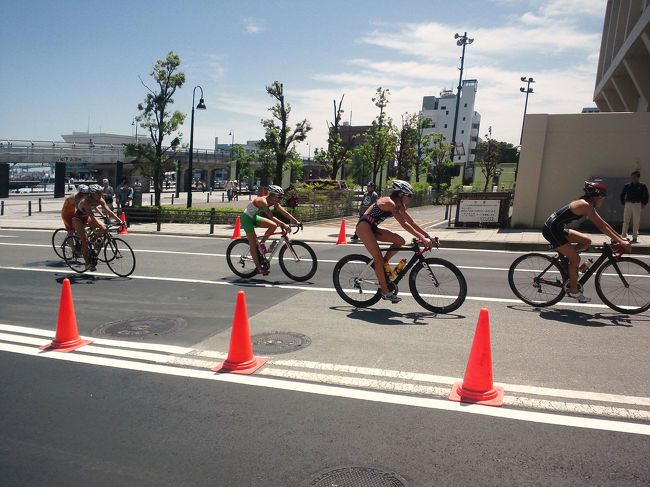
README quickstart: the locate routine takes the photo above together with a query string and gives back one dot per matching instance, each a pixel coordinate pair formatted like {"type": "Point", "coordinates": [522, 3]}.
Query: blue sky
{"type": "Point", "coordinates": [74, 65]}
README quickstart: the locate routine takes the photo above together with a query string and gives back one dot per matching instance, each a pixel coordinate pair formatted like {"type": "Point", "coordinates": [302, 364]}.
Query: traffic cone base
{"type": "Point", "coordinates": [341, 240]}
{"type": "Point", "coordinates": [493, 397]}
{"type": "Point", "coordinates": [237, 233]}
{"type": "Point", "coordinates": [240, 354]}
{"type": "Point", "coordinates": [477, 386]}
{"type": "Point", "coordinates": [67, 337]}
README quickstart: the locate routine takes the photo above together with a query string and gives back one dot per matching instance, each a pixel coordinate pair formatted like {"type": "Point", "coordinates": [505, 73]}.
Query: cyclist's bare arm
{"type": "Point", "coordinates": [606, 228]}
{"type": "Point", "coordinates": [413, 228]}
{"type": "Point", "coordinates": [106, 209]}
{"type": "Point", "coordinates": [286, 214]}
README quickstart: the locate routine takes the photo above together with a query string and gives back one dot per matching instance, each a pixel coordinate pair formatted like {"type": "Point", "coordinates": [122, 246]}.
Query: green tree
{"type": "Point", "coordinates": [406, 152]}
{"type": "Point", "coordinates": [439, 156]}
{"type": "Point", "coordinates": [267, 166]}
{"type": "Point", "coordinates": [422, 145]}
{"type": "Point", "coordinates": [154, 157]}
{"type": "Point", "coordinates": [337, 155]}
{"type": "Point", "coordinates": [243, 162]}
{"type": "Point", "coordinates": [279, 136]}
{"type": "Point", "coordinates": [488, 156]}
{"type": "Point", "coordinates": [294, 164]}
{"type": "Point", "coordinates": [381, 138]}
{"type": "Point", "coordinates": [361, 163]}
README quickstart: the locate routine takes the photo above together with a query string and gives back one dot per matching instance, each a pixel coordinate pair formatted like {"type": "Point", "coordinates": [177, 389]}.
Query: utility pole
{"type": "Point", "coordinates": [528, 90]}
{"type": "Point", "coordinates": [461, 41]}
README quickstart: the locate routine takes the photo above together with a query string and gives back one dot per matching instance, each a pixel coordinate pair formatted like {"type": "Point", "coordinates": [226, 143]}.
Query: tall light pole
{"type": "Point", "coordinates": [190, 169]}
{"type": "Point", "coordinates": [136, 130]}
{"type": "Point", "coordinates": [528, 90]}
{"type": "Point", "coordinates": [232, 152]}
{"type": "Point", "coordinates": [462, 40]}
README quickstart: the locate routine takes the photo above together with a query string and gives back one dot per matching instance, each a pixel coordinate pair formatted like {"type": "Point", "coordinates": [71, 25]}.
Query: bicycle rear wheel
{"type": "Point", "coordinates": [355, 281]}
{"type": "Point", "coordinates": [72, 255]}
{"type": "Point", "coordinates": [239, 258]}
{"type": "Point", "coordinates": [438, 285]}
{"type": "Point", "coordinates": [58, 237]}
{"type": "Point", "coordinates": [629, 294]}
{"type": "Point", "coordinates": [537, 280]}
{"type": "Point", "coordinates": [119, 257]}
{"type": "Point", "coordinates": [298, 260]}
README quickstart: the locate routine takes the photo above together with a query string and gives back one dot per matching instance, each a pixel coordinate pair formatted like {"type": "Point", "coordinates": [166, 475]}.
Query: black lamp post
{"type": "Point", "coordinates": [232, 147]}
{"type": "Point", "coordinates": [528, 90]}
{"type": "Point", "coordinates": [190, 169]}
{"type": "Point", "coordinates": [462, 40]}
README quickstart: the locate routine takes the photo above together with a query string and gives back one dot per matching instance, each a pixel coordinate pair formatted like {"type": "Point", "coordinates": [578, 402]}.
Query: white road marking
{"type": "Point", "coordinates": [294, 287]}
{"type": "Point", "coordinates": [342, 392]}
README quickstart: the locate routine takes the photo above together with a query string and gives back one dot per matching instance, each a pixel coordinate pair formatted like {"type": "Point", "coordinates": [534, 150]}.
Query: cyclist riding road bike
{"type": "Point", "coordinates": [252, 217]}
{"type": "Point", "coordinates": [77, 212]}
{"type": "Point", "coordinates": [570, 242]}
{"type": "Point", "coordinates": [371, 234]}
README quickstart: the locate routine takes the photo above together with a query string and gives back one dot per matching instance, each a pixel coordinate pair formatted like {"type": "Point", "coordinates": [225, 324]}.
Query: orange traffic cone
{"type": "Point", "coordinates": [67, 337]}
{"type": "Point", "coordinates": [240, 355]}
{"type": "Point", "coordinates": [123, 226]}
{"type": "Point", "coordinates": [341, 239]}
{"type": "Point", "coordinates": [237, 233]}
{"type": "Point", "coordinates": [477, 386]}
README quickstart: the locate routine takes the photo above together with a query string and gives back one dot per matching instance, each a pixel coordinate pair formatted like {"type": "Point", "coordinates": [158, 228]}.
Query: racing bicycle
{"type": "Point", "coordinates": [297, 259]}
{"type": "Point", "coordinates": [436, 284]}
{"type": "Point", "coordinates": [622, 283]}
{"type": "Point", "coordinates": [103, 247]}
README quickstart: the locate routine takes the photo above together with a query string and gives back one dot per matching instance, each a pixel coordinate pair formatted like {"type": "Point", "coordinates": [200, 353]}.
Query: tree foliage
{"type": "Point", "coordinates": [337, 155]}
{"type": "Point", "coordinates": [155, 157]}
{"type": "Point", "coordinates": [243, 162]}
{"type": "Point", "coordinates": [406, 147]}
{"type": "Point", "coordinates": [439, 157]}
{"type": "Point", "coordinates": [491, 153]}
{"type": "Point", "coordinates": [279, 136]}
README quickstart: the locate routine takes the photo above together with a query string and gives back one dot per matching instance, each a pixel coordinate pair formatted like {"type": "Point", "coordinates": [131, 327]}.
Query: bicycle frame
{"type": "Point", "coordinates": [417, 257]}
{"type": "Point", "coordinates": [282, 240]}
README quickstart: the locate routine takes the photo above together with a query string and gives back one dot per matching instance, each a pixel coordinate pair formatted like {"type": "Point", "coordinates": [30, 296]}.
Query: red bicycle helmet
{"type": "Point", "coordinates": [595, 189]}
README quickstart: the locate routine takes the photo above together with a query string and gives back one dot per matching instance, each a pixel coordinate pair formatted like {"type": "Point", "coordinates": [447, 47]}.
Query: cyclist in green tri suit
{"type": "Point", "coordinates": [252, 217]}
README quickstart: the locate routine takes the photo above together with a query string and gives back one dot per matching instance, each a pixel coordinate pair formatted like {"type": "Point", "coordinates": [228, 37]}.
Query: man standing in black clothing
{"type": "Point", "coordinates": [369, 197]}
{"type": "Point", "coordinates": [634, 197]}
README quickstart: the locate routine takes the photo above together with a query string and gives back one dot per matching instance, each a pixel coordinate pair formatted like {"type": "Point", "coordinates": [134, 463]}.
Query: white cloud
{"type": "Point", "coordinates": [252, 26]}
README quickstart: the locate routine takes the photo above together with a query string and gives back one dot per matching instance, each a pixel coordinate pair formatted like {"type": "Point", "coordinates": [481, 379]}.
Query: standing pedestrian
{"type": "Point", "coordinates": [229, 187]}
{"type": "Point", "coordinates": [107, 193]}
{"type": "Point", "coordinates": [124, 194]}
{"type": "Point", "coordinates": [369, 197]}
{"type": "Point", "coordinates": [634, 197]}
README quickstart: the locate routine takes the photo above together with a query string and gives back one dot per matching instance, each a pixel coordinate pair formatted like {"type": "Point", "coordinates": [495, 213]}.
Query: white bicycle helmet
{"type": "Point", "coordinates": [276, 190]}
{"type": "Point", "coordinates": [403, 187]}
{"type": "Point", "coordinates": [95, 188]}
{"type": "Point", "coordinates": [83, 188]}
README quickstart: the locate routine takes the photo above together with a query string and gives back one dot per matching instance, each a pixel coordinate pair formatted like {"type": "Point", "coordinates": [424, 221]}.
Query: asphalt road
{"type": "Point", "coordinates": [149, 428]}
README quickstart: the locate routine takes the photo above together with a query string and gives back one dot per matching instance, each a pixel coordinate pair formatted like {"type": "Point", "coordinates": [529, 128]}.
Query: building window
{"type": "Point", "coordinates": [443, 108]}
{"type": "Point", "coordinates": [462, 131]}
{"type": "Point", "coordinates": [445, 125]}
{"type": "Point", "coordinates": [465, 105]}
{"type": "Point", "coordinates": [434, 125]}
{"type": "Point", "coordinates": [447, 112]}
{"type": "Point", "coordinates": [463, 119]}
{"type": "Point", "coordinates": [474, 125]}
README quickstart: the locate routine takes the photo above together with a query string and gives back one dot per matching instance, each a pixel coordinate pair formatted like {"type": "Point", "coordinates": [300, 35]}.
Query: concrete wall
{"type": "Point", "coordinates": [560, 152]}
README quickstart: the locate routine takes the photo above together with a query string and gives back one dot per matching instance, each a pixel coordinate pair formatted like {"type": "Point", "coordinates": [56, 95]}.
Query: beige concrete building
{"type": "Point", "coordinates": [623, 78]}
{"type": "Point", "coordinates": [560, 152]}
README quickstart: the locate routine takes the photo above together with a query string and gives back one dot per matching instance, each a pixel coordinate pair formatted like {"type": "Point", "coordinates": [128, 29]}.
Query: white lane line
{"type": "Point", "coordinates": [193, 357]}
{"type": "Point", "coordinates": [343, 392]}
{"type": "Point", "coordinates": [276, 286]}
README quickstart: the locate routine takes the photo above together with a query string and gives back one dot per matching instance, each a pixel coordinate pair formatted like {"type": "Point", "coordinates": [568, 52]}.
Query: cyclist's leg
{"type": "Point", "coordinates": [369, 239]}
{"type": "Point", "coordinates": [249, 224]}
{"type": "Point", "coordinates": [393, 238]}
{"type": "Point", "coordinates": [270, 226]}
{"type": "Point", "coordinates": [570, 251]}
{"type": "Point", "coordinates": [80, 229]}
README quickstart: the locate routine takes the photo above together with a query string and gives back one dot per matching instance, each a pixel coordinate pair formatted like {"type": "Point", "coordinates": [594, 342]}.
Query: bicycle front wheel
{"type": "Point", "coordinates": [119, 257]}
{"type": "Point", "coordinates": [438, 285]}
{"type": "Point", "coordinates": [298, 260]}
{"type": "Point", "coordinates": [355, 281]}
{"type": "Point", "coordinates": [72, 255]}
{"type": "Point", "coordinates": [58, 238]}
{"type": "Point", "coordinates": [537, 280]}
{"type": "Point", "coordinates": [624, 285]}
{"type": "Point", "coordinates": [239, 258]}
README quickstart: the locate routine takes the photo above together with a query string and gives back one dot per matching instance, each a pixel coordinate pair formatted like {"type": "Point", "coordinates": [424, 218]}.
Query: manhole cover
{"type": "Point", "coordinates": [141, 326]}
{"type": "Point", "coordinates": [279, 342]}
{"type": "Point", "coordinates": [356, 476]}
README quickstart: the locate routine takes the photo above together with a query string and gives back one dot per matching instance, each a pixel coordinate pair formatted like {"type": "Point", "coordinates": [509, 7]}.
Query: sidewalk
{"type": "Point", "coordinates": [328, 231]}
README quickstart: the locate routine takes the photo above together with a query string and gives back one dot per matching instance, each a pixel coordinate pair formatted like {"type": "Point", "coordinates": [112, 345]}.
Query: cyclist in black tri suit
{"type": "Point", "coordinates": [370, 233]}
{"type": "Point", "coordinates": [570, 242]}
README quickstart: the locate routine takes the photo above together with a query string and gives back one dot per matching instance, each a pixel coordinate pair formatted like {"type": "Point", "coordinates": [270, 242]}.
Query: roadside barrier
{"type": "Point", "coordinates": [341, 240]}
{"type": "Point", "coordinates": [477, 386]}
{"type": "Point", "coordinates": [67, 336]}
{"type": "Point", "coordinates": [240, 354]}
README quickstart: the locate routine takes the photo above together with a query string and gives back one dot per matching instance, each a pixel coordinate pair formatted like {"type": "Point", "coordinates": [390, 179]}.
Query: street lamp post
{"type": "Point", "coordinates": [232, 152]}
{"type": "Point", "coordinates": [136, 130]}
{"type": "Point", "coordinates": [462, 40]}
{"type": "Point", "coordinates": [190, 170]}
{"type": "Point", "coordinates": [528, 90]}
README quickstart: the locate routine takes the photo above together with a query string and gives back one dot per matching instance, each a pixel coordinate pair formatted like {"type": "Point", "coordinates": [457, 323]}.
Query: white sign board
{"type": "Point", "coordinates": [479, 211]}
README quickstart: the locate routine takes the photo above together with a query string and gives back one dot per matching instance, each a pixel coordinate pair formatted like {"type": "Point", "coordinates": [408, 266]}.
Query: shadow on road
{"type": "Point", "coordinates": [390, 317]}
{"type": "Point", "coordinates": [580, 318]}
{"type": "Point", "coordinates": [46, 263]}
{"type": "Point", "coordinates": [87, 278]}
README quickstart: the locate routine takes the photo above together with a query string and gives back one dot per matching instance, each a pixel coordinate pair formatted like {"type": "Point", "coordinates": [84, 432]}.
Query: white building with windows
{"type": "Point", "coordinates": [441, 110]}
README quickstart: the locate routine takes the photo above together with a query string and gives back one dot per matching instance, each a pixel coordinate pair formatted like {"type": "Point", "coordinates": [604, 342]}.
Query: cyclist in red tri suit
{"type": "Point", "coordinates": [370, 233]}
{"type": "Point", "coordinates": [569, 242]}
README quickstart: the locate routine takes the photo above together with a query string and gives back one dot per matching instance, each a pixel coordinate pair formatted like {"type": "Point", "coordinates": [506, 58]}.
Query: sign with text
{"type": "Point", "coordinates": [478, 211]}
